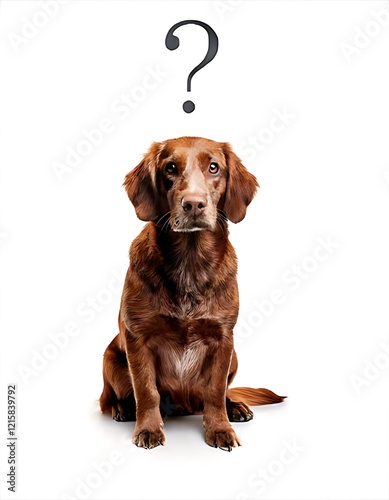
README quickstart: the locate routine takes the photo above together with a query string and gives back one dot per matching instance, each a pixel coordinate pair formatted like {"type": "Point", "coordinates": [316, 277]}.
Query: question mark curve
{"type": "Point", "coordinates": [172, 42]}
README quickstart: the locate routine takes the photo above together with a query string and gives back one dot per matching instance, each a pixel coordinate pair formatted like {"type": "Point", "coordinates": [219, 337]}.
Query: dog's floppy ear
{"type": "Point", "coordinates": [140, 185]}
{"type": "Point", "coordinates": [241, 187]}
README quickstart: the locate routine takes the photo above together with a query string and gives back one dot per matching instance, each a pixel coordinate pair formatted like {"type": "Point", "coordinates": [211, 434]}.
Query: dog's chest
{"type": "Point", "coordinates": [189, 305]}
{"type": "Point", "coordinates": [182, 363]}
{"type": "Point", "coordinates": [188, 283]}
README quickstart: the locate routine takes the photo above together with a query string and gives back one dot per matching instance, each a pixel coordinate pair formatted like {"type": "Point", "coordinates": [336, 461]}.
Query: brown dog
{"type": "Point", "coordinates": [174, 353]}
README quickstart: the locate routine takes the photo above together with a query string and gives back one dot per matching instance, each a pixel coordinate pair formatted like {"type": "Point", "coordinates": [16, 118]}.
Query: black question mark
{"type": "Point", "coordinates": [172, 42]}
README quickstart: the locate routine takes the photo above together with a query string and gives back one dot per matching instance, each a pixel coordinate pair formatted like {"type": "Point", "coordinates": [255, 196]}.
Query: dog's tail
{"type": "Point", "coordinates": [254, 397]}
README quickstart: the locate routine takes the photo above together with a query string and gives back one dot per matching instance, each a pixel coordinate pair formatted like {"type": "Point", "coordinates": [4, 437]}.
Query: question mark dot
{"type": "Point", "coordinates": [188, 106]}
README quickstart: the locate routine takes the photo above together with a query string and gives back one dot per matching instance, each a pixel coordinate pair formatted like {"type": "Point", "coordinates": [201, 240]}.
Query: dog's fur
{"type": "Point", "coordinates": [174, 353]}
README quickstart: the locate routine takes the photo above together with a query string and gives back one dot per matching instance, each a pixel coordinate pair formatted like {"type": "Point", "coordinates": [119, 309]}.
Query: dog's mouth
{"type": "Point", "coordinates": [190, 225]}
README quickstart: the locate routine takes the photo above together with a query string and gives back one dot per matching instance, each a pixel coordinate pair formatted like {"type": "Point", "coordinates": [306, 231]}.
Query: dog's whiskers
{"type": "Point", "coordinates": [167, 215]}
{"type": "Point", "coordinates": [162, 217]}
{"type": "Point", "coordinates": [221, 220]}
{"type": "Point", "coordinates": [166, 224]}
{"type": "Point", "coordinates": [222, 215]}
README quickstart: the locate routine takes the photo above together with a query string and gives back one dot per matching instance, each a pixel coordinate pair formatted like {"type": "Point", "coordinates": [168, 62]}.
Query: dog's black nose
{"type": "Point", "coordinates": [194, 204]}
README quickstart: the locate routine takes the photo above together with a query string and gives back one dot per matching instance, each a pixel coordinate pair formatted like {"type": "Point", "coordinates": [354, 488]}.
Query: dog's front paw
{"type": "Point", "coordinates": [223, 438]}
{"type": "Point", "coordinates": [148, 439]}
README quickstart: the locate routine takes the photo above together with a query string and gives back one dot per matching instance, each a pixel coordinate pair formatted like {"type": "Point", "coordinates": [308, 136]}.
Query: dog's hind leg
{"type": "Point", "coordinates": [239, 398]}
{"type": "Point", "coordinates": [117, 396]}
{"type": "Point", "coordinates": [237, 411]}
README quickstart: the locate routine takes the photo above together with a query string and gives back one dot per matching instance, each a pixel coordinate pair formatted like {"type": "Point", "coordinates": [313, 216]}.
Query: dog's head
{"type": "Point", "coordinates": [190, 182]}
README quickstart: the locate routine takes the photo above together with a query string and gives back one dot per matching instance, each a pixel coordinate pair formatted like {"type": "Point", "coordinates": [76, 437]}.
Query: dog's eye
{"type": "Point", "coordinates": [171, 168]}
{"type": "Point", "coordinates": [214, 168]}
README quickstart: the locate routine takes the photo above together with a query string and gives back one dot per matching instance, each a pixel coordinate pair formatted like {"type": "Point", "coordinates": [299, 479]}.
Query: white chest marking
{"type": "Point", "coordinates": [189, 362]}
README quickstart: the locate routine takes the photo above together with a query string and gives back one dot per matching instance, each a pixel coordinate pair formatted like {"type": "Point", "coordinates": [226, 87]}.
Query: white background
{"type": "Point", "coordinates": [325, 175]}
